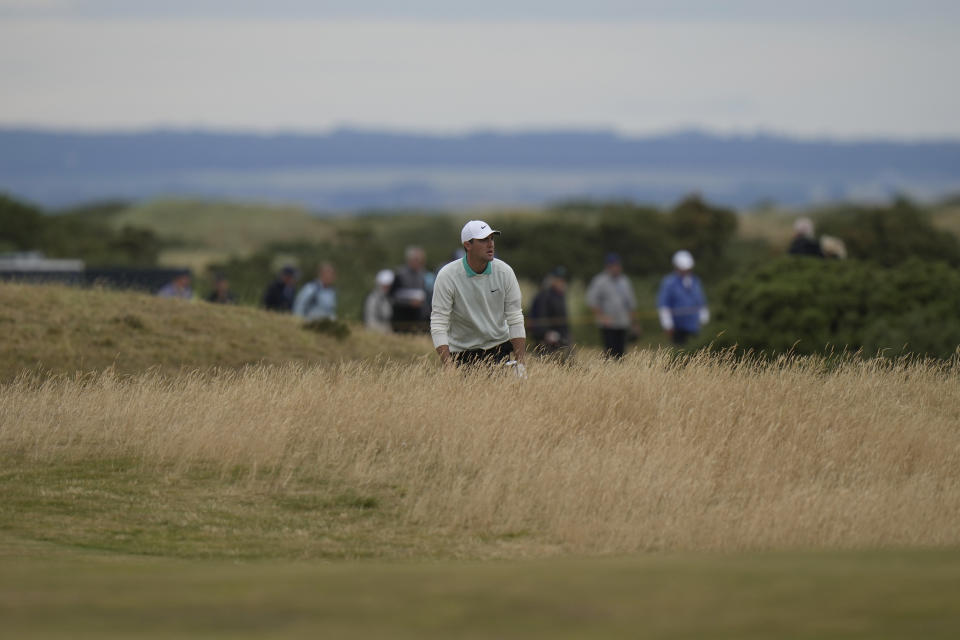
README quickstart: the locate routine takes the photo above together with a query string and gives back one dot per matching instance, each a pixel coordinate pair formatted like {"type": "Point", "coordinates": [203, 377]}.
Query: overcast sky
{"type": "Point", "coordinates": [806, 68]}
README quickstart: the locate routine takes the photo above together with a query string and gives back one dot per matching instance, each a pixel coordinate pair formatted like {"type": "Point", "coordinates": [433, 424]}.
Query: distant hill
{"type": "Point", "coordinates": [349, 170]}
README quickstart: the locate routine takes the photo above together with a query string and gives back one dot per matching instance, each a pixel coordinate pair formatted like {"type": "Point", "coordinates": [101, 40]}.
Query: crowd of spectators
{"type": "Point", "coordinates": [400, 300]}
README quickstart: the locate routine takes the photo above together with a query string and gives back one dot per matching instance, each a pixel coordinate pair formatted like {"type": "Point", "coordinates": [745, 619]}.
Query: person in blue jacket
{"type": "Point", "coordinates": [681, 305]}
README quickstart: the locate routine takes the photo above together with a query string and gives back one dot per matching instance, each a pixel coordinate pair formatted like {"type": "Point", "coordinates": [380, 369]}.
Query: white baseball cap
{"type": "Point", "coordinates": [683, 260]}
{"type": "Point", "coordinates": [476, 230]}
{"type": "Point", "coordinates": [385, 278]}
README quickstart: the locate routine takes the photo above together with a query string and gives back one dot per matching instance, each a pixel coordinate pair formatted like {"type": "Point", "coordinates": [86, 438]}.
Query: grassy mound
{"type": "Point", "coordinates": [63, 330]}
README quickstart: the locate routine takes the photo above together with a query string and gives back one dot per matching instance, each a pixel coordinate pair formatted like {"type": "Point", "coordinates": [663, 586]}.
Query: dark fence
{"type": "Point", "coordinates": [142, 279]}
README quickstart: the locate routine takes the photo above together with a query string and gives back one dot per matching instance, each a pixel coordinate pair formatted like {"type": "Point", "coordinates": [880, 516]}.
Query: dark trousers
{"type": "Point", "coordinates": [493, 355]}
{"type": "Point", "coordinates": [614, 342]}
{"type": "Point", "coordinates": [680, 336]}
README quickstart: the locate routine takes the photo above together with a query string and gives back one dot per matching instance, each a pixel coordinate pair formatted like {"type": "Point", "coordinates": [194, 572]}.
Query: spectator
{"type": "Point", "coordinates": [280, 292]}
{"type": "Point", "coordinates": [833, 247]}
{"type": "Point", "coordinates": [681, 305]}
{"type": "Point", "coordinates": [179, 287]}
{"type": "Point", "coordinates": [548, 314]}
{"type": "Point", "coordinates": [476, 305]}
{"type": "Point", "coordinates": [221, 293]}
{"type": "Point", "coordinates": [411, 292]}
{"type": "Point", "coordinates": [804, 241]}
{"type": "Point", "coordinates": [377, 310]}
{"type": "Point", "coordinates": [610, 297]}
{"type": "Point", "coordinates": [318, 298]}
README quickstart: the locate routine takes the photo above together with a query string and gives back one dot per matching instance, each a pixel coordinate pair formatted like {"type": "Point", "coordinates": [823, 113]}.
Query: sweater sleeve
{"type": "Point", "coordinates": [593, 293]}
{"type": "Point", "coordinates": [300, 302]}
{"type": "Point", "coordinates": [512, 305]}
{"type": "Point", "coordinates": [663, 305]}
{"type": "Point", "coordinates": [631, 296]}
{"type": "Point", "coordinates": [442, 305]}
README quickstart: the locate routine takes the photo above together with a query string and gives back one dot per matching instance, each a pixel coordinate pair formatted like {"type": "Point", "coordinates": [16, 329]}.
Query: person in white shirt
{"type": "Point", "coordinates": [477, 313]}
{"type": "Point", "coordinates": [377, 309]}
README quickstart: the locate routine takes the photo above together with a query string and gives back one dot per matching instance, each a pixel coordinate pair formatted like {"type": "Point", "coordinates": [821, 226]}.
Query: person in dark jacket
{"type": "Point", "coordinates": [411, 294]}
{"type": "Point", "coordinates": [221, 293]}
{"type": "Point", "coordinates": [548, 314]}
{"type": "Point", "coordinates": [804, 241]}
{"type": "Point", "coordinates": [279, 294]}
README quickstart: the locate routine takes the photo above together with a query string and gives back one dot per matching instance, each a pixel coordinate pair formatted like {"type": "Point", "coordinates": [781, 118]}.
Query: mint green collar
{"type": "Point", "coordinates": [471, 272]}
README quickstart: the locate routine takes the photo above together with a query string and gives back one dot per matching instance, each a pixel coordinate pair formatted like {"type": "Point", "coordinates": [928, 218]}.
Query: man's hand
{"type": "Point", "coordinates": [444, 352]}
{"type": "Point", "coordinates": [519, 349]}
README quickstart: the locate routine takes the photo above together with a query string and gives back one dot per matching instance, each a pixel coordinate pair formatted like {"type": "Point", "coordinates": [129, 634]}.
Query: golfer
{"type": "Point", "coordinates": [476, 305]}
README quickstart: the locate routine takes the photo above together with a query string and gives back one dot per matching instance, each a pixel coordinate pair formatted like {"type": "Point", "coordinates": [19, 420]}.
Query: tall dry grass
{"type": "Point", "coordinates": [706, 453]}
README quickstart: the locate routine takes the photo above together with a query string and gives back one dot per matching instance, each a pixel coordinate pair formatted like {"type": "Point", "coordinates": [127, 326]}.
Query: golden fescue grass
{"type": "Point", "coordinates": [656, 452]}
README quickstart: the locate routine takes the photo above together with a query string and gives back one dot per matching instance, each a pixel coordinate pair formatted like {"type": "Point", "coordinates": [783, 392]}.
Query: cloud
{"type": "Point", "coordinates": [832, 80]}
{"type": "Point", "coordinates": [37, 6]}
{"type": "Point", "coordinates": [864, 11]}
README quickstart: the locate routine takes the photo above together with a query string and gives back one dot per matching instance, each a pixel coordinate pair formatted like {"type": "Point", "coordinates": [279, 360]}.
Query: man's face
{"type": "Point", "coordinates": [614, 269]}
{"type": "Point", "coordinates": [480, 250]}
{"type": "Point", "coordinates": [417, 260]}
{"type": "Point", "coordinates": [327, 275]}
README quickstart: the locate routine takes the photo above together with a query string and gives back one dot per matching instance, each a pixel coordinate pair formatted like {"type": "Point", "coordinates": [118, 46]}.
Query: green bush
{"type": "Point", "coordinates": [83, 233]}
{"type": "Point", "coordinates": [21, 225]}
{"type": "Point", "coordinates": [579, 234]}
{"type": "Point", "coordinates": [706, 232]}
{"type": "Point", "coordinates": [890, 235]}
{"type": "Point", "coordinates": [814, 306]}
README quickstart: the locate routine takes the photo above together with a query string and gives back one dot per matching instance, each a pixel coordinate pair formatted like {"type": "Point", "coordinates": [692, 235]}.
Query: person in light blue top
{"type": "Point", "coordinates": [681, 304]}
{"type": "Point", "coordinates": [318, 298]}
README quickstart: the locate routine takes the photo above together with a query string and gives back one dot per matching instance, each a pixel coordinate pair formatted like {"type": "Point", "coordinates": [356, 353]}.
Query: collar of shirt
{"type": "Point", "coordinates": [471, 272]}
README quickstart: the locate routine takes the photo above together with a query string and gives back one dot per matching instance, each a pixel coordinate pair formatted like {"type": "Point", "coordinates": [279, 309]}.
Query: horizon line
{"type": "Point", "coordinates": [758, 133]}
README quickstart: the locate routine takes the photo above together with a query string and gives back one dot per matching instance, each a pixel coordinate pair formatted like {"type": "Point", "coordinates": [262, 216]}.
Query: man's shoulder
{"type": "Point", "coordinates": [600, 278]}
{"type": "Point", "coordinates": [500, 265]}
{"type": "Point", "coordinates": [450, 266]}
{"type": "Point", "coordinates": [309, 288]}
{"type": "Point", "coordinates": [449, 271]}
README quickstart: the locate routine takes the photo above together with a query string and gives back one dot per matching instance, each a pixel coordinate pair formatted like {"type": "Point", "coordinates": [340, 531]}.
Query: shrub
{"type": "Point", "coordinates": [82, 233]}
{"type": "Point", "coordinates": [578, 234]}
{"type": "Point", "coordinates": [891, 235]}
{"type": "Point", "coordinates": [812, 306]}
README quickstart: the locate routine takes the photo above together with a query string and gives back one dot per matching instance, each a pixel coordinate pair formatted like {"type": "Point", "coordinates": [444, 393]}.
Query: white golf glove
{"type": "Point", "coordinates": [518, 367]}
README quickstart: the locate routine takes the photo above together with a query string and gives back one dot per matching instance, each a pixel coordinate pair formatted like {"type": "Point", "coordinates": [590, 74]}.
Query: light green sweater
{"type": "Point", "coordinates": [475, 310]}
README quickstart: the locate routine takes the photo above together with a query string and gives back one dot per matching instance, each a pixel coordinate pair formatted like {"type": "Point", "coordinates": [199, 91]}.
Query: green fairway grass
{"type": "Point", "coordinates": [51, 591]}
